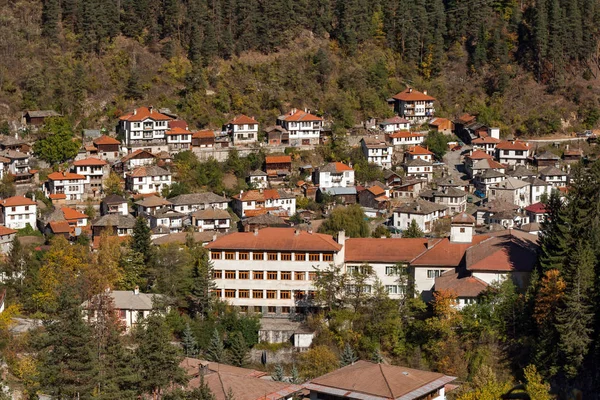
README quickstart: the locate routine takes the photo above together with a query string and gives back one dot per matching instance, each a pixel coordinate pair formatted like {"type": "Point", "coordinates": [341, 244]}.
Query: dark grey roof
{"type": "Point", "coordinates": [450, 181]}
{"type": "Point", "coordinates": [490, 173]}
{"type": "Point", "coordinates": [168, 213]}
{"type": "Point", "coordinates": [116, 220]}
{"type": "Point", "coordinates": [420, 207]}
{"type": "Point", "coordinates": [417, 162]}
{"type": "Point", "coordinates": [13, 154]}
{"type": "Point", "coordinates": [520, 171]}
{"type": "Point", "coordinates": [547, 156]}
{"type": "Point", "coordinates": [446, 192]}
{"type": "Point", "coordinates": [128, 300]}
{"type": "Point", "coordinates": [149, 170]}
{"type": "Point", "coordinates": [330, 167]}
{"type": "Point", "coordinates": [387, 173]}
{"type": "Point", "coordinates": [257, 172]}
{"type": "Point", "coordinates": [339, 191]}
{"type": "Point", "coordinates": [211, 213]}
{"type": "Point", "coordinates": [552, 171]}
{"type": "Point", "coordinates": [197, 198]}
{"type": "Point", "coordinates": [265, 219]}
{"type": "Point", "coordinates": [114, 199]}
{"type": "Point", "coordinates": [497, 206]}
{"type": "Point", "coordinates": [534, 181]}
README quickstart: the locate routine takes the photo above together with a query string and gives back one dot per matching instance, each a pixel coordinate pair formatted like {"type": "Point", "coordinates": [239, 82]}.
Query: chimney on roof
{"type": "Point", "coordinates": [255, 231]}
{"type": "Point", "coordinates": [430, 243]}
{"type": "Point", "coordinates": [409, 90]}
{"type": "Point", "coordinates": [214, 237]}
{"type": "Point", "coordinates": [136, 290]}
{"type": "Point", "coordinates": [150, 109]}
{"type": "Point", "coordinates": [134, 111]}
{"type": "Point", "coordinates": [65, 173]}
{"type": "Point", "coordinates": [425, 92]}
{"type": "Point", "coordinates": [341, 238]}
{"type": "Point", "coordinates": [296, 232]}
{"type": "Point", "coordinates": [418, 208]}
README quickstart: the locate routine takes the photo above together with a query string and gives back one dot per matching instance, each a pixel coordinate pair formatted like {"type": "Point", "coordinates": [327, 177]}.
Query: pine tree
{"type": "Point", "coordinates": [554, 236]}
{"type": "Point", "coordinates": [238, 350]}
{"type": "Point", "coordinates": [189, 342]}
{"type": "Point", "coordinates": [157, 359]}
{"type": "Point", "coordinates": [133, 89]}
{"type": "Point", "coordinates": [50, 18]}
{"type": "Point", "coordinates": [413, 231]}
{"type": "Point", "coordinates": [348, 356]}
{"type": "Point", "coordinates": [278, 374]}
{"type": "Point", "coordinates": [376, 357]}
{"type": "Point", "coordinates": [68, 363]}
{"type": "Point", "coordinates": [216, 350]}
{"type": "Point", "coordinates": [295, 376]}
{"type": "Point", "coordinates": [200, 297]}
{"type": "Point", "coordinates": [141, 239]}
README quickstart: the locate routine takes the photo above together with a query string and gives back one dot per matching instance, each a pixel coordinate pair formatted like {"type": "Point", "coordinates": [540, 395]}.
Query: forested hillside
{"type": "Point", "coordinates": [523, 65]}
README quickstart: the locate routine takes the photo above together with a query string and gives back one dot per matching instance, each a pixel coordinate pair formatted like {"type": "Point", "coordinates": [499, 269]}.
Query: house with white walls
{"type": "Point", "coordinates": [242, 130]}
{"type": "Point", "coordinates": [18, 212]}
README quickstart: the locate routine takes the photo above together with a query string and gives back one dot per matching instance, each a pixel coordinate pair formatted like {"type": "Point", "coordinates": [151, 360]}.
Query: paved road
{"type": "Point", "coordinates": [454, 163]}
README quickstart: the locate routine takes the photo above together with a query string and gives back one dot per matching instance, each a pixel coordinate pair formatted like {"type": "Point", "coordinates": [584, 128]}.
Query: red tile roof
{"type": "Point", "coordinates": [61, 176]}
{"type": "Point", "coordinates": [18, 201]}
{"type": "Point", "coordinates": [204, 134]}
{"type": "Point", "coordinates": [178, 131]}
{"type": "Point", "coordinates": [278, 159]}
{"type": "Point", "coordinates": [60, 226]}
{"type": "Point", "coordinates": [57, 196]}
{"type": "Point", "coordinates": [6, 231]}
{"type": "Point", "coordinates": [376, 190]}
{"type": "Point", "coordinates": [405, 134]}
{"type": "Point", "coordinates": [468, 286]}
{"type": "Point", "coordinates": [137, 153]}
{"type": "Point", "coordinates": [106, 140]}
{"type": "Point", "coordinates": [444, 253]}
{"type": "Point", "coordinates": [298, 115]}
{"type": "Point", "coordinates": [504, 253]}
{"type": "Point", "coordinates": [395, 120]}
{"type": "Point", "coordinates": [410, 94]}
{"type": "Point", "coordinates": [72, 214]}
{"type": "Point", "coordinates": [513, 145]}
{"type": "Point", "coordinates": [479, 155]}
{"type": "Point", "coordinates": [486, 140]}
{"type": "Point", "coordinates": [537, 208]}
{"type": "Point", "coordinates": [243, 120]}
{"type": "Point", "coordinates": [463, 218]}
{"type": "Point", "coordinates": [384, 250]}
{"type": "Point", "coordinates": [178, 123]}
{"type": "Point", "coordinates": [419, 150]}
{"type": "Point", "coordinates": [90, 161]}
{"type": "Point", "coordinates": [276, 239]}
{"type": "Point", "coordinates": [143, 113]}
{"type": "Point", "coordinates": [340, 167]}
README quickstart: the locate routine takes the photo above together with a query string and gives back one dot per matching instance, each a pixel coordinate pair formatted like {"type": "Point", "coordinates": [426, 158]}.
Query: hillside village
{"type": "Point", "coordinates": [459, 219]}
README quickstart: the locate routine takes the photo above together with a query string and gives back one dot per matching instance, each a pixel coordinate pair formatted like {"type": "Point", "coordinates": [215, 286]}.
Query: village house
{"type": "Point", "coordinates": [441, 125]}
{"type": "Point", "coordinates": [94, 170]}
{"type": "Point", "coordinates": [486, 211]}
{"type": "Point", "coordinates": [377, 151]}
{"type": "Point", "coordinates": [405, 138]}
{"type": "Point", "coordinates": [408, 188]}
{"type": "Point", "coordinates": [211, 219]}
{"type": "Point", "coordinates": [203, 139]}
{"type": "Point", "coordinates": [512, 152]}
{"type": "Point", "coordinates": [179, 139]}
{"type": "Point", "coordinates": [151, 204]}
{"type": "Point", "coordinates": [149, 179]}
{"type": "Point", "coordinates": [277, 136]}
{"type": "Point", "coordinates": [537, 212]}
{"type": "Point", "coordinates": [394, 124]}
{"type": "Point", "coordinates": [508, 219]}
{"type": "Point", "coordinates": [258, 179]}
{"type": "Point", "coordinates": [338, 194]}
{"type": "Point", "coordinates": [107, 148]}
{"type": "Point", "coordinates": [556, 177]}
{"type": "Point", "coordinates": [7, 235]}
{"type": "Point", "coordinates": [511, 190]}
{"type": "Point", "coordinates": [166, 218]}
{"type": "Point", "coordinates": [18, 212]}
{"type": "Point", "coordinates": [487, 178]}
{"type": "Point", "coordinates": [38, 117]}
{"type": "Point", "coordinates": [418, 168]}
{"type": "Point", "coordinates": [146, 128]}
{"type": "Point", "coordinates": [537, 189]}
{"type": "Point", "coordinates": [479, 166]}
{"type": "Point", "coordinates": [188, 203]}
{"type": "Point", "coordinates": [255, 202]}
{"type": "Point", "coordinates": [521, 172]}
{"type": "Point", "coordinates": [114, 204]}
{"type": "Point", "coordinates": [16, 164]}
{"type": "Point", "coordinates": [303, 127]}
{"type": "Point", "coordinates": [450, 181]}
{"type": "Point", "coordinates": [486, 144]}
{"type": "Point", "coordinates": [14, 143]}
{"type": "Point", "coordinates": [454, 199]}
{"type": "Point", "coordinates": [243, 130]}
{"type": "Point", "coordinates": [572, 156]}
{"type": "Point", "coordinates": [131, 306]}
{"type": "Point", "coordinates": [423, 212]}
{"type": "Point", "coordinates": [413, 105]}
{"type": "Point", "coordinates": [374, 197]}
{"type": "Point", "coordinates": [278, 167]}
{"type": "Point", "coordinates": [367, 380]}
{"type": "Point", "coordinates": [114, 224]}
{"type": "Point", "coordinates": [66, 221]}
{"type": "Point", "coordinates": [473, 159]}
{"type": "Point", "coordinates": [263, 221]}
{"type": "Point", "coordinates": [138, 158]}
{"type": "Point", "coordinates": [391, 178]}
{"type": "Point", "coordinates": [419, 152]}
{"type": "Point", "coordinates": [334, 174]}
{"type": "Point", "coordinates": [71, 185]}
{"type": "Point", "coordinates": [546, 159]}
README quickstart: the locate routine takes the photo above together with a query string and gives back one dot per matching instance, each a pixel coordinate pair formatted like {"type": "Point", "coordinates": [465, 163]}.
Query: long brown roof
{"type": "Point", "coordinates": [276, 239]}
{"type": "Point", "coordinates": [385, 250]}
{"type": "Point", "coordinates": [409, 94]}
{"type": "Point", "coordinates": [143, 113]}
{"type": "Point", "coordinates": [468, 286]}
{"type": "Point", "coordinates": [507, 252]}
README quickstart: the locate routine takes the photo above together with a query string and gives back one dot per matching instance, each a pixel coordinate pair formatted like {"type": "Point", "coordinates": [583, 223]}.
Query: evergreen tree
{"type": "Point", "coordinates": [133, 89]}
{"type": "Point", "coordinates": [413, 231]}
{"type": "Point", "coordinates": [189, 342]}
{"type": "Point", "coordinates": [216, 350]}
{"type": "Point", "coordinates": [56, 144]}
{"type": "Point", "coordinates": [141, 239]}
{"type": "Point", "coordinates": [295, 376]}
{"type": "Point", "coordinates": [156, 358]}
{"type": "Point", "coordinates": [278, 374]}
{"type": "Point", "coordinates": [376, 357]}
{"type": "Point", "coordinates": [200, 297]}
{"type": "Point", "coordinates": [554, 235]}
{"type": "Point", "coordinates": [238, 350]}
{"type": "Point", "coordinates": [68, 364]}
{"type": "Point", "coordinates": [50, 18]}
{"type": "Point", "coordinates": [348, 356]}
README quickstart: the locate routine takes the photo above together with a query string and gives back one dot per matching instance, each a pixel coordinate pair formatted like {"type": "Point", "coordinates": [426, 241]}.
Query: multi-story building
{"type": "Point", "coordinates": [150, 179]}
{"type": "Point", "coordinates": [405, 138]}
{"type": "Point", "coordinates": [270, 270]}
{"type": "Point", "coordinates": [377, 151]}
{"type": "Point", "coordinates": [71, 185]}
{"type": "Point", "coordinates": [166, 218]}
{"type": "Point", "coordinates": [454, 199]}
{"type": "Point", "coordinates": [188, 203]}
{"type": "Point", "coordinates": [487, 144]}
{"type": "Point", "coordinates": [145, 128]}
{"type": "Point", "coordinates": [114, 204]}
{"type": "Point", "coordinates": [511, 190]}
{"type": "Point", "coordinates": [17, 164]}
{"type": "Point", "coordinates": [418, 168]}
{"type": "Point", "coordinates": [487, 178]}
{"type": "Point", "coordinates": [554, 176]}
{"type": "Point", "coordinates": [107, 148]}
{"type": "Point", "coordinates": [304, 128]}
{"type": "Point", "coordinates": [512, 152]}
{"type": "Point", "coordinates": [419, 152]}
{"type": "Point", "coordinates": [423, 212]}
{"type": "Point", "coordinates": [94, 170]}
{"type": "Point", "coordinates": [243, 130]}
{"type": "Point", "coordinates": [413, 105]}
{"type": "Point", "coordinates": [394, 124]}
{"type": "Point", "coordinates": [256, 202]}
{"type": "Point", "coordinates": [137, 158]}
{"type": "Point", "coordinates": [537, 189]}
{"type": "Point", "coordinates": [179, 139]}
{"type": "Point", "coordinates": [211, 219]}
{"type": "Point", "coordinates": [18, 212]}
{"type": "Point", "coordinates": [335, 174]}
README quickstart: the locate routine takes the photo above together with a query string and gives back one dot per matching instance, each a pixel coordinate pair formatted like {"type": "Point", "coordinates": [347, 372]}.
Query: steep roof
{"type": "Point", "coordinates": [420, 207]}
{"type": "Point", "coordinates": [149, 170]}
{"type": "Point", "coordinates": [90, 161]}
{"type": "Point", "coordinates": [468, 286]}
{"type": "Point", "coordinates": [364, 380]}
{"type": "Point", "coordinates": [276, 239]}
{"type": "Point", "coordinates": [335, 167]}
{"type": "Point", "coordinates": [59, 227]}
{"type": "Point", "coordinates": [197, 198]}
{"type": "Point", "coordinates": [513, 145]}
{"type": "Point", "coordinates": [17, 201]}
{"type": "Point", "coordinates": [388, 250]}
{"type": "Point", "coordinates": [6, 231]}
{"type": "Point", "coordinates": [142, 113]}
{"type": "Point", "coordinates": [552, 171]}
{"type": "Point", "coordinates": [463, 219]}
{"type": "Point", "coordinates": [419, 150]}
{"type": "Point", "coordinates": [61, 176]}
{"type": "Point", "coordinates": [211, 213]}
{"type": "Point", "coordinates": [505, 252]}
{"type": "Point", "coordinates": [176, 130]}
{"type": "Point", "coordinates": [409, 94]}
{"type": "Point", "coordinates": [537, 208]}
{"type": "Point", "coordinates": [277, 159]}
{"type": "Point", "coordinates": [71, 213]}
{"type": "Point", "coordinates": [104, 139]}
{"type": "Point", "coordinates": [243, 120]}
{"type": "Point", "coordinates": [299, 115]}
{"type": "Point", "coordinates": [479, 155]}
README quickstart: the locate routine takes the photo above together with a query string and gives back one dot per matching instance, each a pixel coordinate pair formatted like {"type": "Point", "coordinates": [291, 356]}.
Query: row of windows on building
{"type": "Point", "coordinates": [270, 256]}
{"type": "Point", "coordinates": [295, 294]}
{"type": "Point", "coordinates": [260, 275]}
